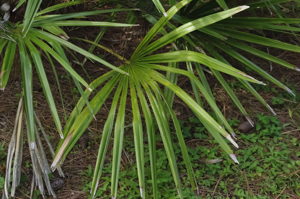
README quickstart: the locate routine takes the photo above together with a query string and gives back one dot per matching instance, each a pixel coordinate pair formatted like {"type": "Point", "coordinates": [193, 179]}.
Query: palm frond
{"type": "Point", "coordinates": [144, 80]}
{"type": "Point", "coordinates": [31, 38]}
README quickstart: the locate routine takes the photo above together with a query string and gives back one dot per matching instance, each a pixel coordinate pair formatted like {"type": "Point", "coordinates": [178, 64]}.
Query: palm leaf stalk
{"type": "Point", "coordinates": [143, 85]}
{"type": "Point", "coordinates": [12, 148]}
{"type": "Point", "coordinates": [41, 169]}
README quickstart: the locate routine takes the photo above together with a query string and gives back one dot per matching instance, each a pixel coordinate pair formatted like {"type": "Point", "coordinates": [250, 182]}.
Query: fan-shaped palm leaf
{"type": "Point", "coordinates": [143, 84]}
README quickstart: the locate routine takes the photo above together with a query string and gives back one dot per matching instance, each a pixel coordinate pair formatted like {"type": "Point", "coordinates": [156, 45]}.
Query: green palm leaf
{"type": "Point", "coordinates": [27, 83]}
{"type": "Point", "coordinates": [143, 86]}
{"type": "Point", "coordinates": [50, 38]}
{"type": "Point", "coordinates": [181, 143]}
{"type": "Point", "coordinates": [189, 27]}
{"type": "Point", "coordinates": [31, 10]}
{"type": "Point", "coordinates": [257, 39]}
{"type": "Point", "coordinates": [245, 83]}
{"type": "Point", "coordinates": [212, 126]}
{"type": "Point", "coordinates": [45, 84]}
{"type": "Point", "coordinates": [223, 4]}
{"type": "Point", "coordinates": [159, 6]}
{"type": "Point", "coordinates": [138, 136]}
{"type": "Point", "coordinates": [7, 62]}
{"type": "Point", "coordinates": [180, 56]}
{"type": "Point", "coordinates": [260, 53]}
{"type": "Point", "coordinates": [158, 26]}
{"type": "Point", "coordinates": [108, 127]}
{"type": "Point", "coordinates": [30, 36]}
{"type": "Point", "coordinates": [151, 137]}
{"type": "Point", "coordinates": [59, 6]}
{"type": "Point", "coordinates": [118, 138]}
{"type": "Point", "coordinates": [144, 79]}
{"type": "Point", "coordinates": [252, 65]}
{"type": "Point", "coordinates": [163, 126]}
{"type": "Point", "coordinates": [80, 120]}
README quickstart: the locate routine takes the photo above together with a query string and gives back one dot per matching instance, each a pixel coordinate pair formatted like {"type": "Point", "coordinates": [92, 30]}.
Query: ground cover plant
{"type": "Point", "coordinates": [266, 158]}
{"type": "Point", "coordinates": [139, 81]}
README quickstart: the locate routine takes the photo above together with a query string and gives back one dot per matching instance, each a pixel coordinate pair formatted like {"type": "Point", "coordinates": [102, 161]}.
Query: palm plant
{"type": "Point", "coordinates": [147, 99]}
{"type": "Point", "coordinates": [229, 36]}
{"type": "Point", "coordinates": [195, 25]}
{"type": "Point", "coordinates": [28, 33]}
{"type": "Point", "coordinates": [41, 31]}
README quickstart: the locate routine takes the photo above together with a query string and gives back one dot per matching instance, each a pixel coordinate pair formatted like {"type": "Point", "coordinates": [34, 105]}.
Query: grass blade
{"type": "Point", "coordinates": [262, 4]}
{"type": "Point", "coordinates": [19, 4]}
{"type": "Point", "coordinates": [162, 121]}
{"type": "Point", "coordinates": [42, 20]}
{"type": "Point", "coordinates": [192, 104]}
{"type": "Point", "coordinates": [56, 31]}
{"type": "Point", "coordinates": [256, 94]}
{"type": "Point", "coordinates": [190, 6]}
{"type": "Point", "coordinates": [260, 20]}
{"type": "Point", "coordinates": [212, 126]}
{"type": "Point", "coordinates": [172, 77]}
{"type": "Point", "coordinates": [2, 44]}
{"type": "Point", "coordinates": [35, 166]}
{"type": "Point", "coordinates": [203, 80]}
{"type": "Point", "coordinates": [48, 142]}
{"type": "Point", "coordinates": [80, 104]}
{"type": "Point", "coordinates": [11, 150]}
